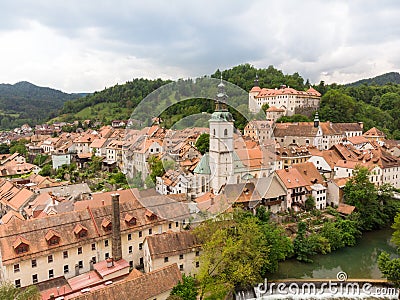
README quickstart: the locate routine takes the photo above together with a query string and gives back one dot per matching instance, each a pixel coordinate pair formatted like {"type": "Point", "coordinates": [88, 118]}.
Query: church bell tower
{"type": "Point", "coordinates": [221, 142]}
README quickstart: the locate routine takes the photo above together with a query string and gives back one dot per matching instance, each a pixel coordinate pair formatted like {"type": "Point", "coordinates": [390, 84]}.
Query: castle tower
{"type": "Point", "coordinates": [221, 143]}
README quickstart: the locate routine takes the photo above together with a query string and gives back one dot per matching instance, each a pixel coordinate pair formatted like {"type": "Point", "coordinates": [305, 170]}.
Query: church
{"type": "Point", "coordinates": [231, 158]}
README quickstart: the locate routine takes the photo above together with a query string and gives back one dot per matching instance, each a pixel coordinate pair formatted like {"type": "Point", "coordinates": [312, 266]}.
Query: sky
{"type": "Point", "coordinates": [85, 45]}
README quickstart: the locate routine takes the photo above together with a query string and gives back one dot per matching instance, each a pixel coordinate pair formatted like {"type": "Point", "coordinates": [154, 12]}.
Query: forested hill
{"type": "Point", "coordinates": [119, 101]}
{"type": "Point", "coordinates": [391, 77]}
{"type": "Point", "coordinates": [374, 105]}
{"type": "Point", "coordinates": [25, 102]}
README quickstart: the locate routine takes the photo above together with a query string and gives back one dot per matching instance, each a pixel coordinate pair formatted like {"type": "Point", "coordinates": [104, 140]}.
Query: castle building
{"type": "Point", "coordinates": [285, 98]}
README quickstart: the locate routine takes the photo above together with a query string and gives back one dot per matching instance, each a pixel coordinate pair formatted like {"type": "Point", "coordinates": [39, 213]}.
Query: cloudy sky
{"type": "Point", "coordinates": [85, 45]}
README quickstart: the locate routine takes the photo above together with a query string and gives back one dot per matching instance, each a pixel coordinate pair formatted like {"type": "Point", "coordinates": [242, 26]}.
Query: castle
{"type": "Point", "coordinates": [285, 98]}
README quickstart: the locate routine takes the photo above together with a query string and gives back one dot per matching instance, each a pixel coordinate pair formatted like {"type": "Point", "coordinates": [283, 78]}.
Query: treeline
{"type": "Point", "coordinates": [375, 105]}
{"type": "Point", "coordinates": [24, 102]}
{"type": "Point", "coordinates": [128, 95]}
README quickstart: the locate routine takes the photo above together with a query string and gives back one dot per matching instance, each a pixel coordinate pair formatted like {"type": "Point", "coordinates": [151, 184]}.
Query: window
{"type": "Point", "coordinates": [66, 269]}
{"type": "Point", "coordinates": [225, 132]}
{"type": "Point", "coordinates": [197, 264]}
{"type": "Point", "coordinates": [34, 278]}
{"type": "Point", "coordinates": [105, 243]}
{"type": "Point", "coordinates": [51, 274]}
{"type": "Point", "coordinates": [176, 224]}
{"type": "Point", "coordinates": [150, 231]}
{"type": "Point", "coordinates": [170, 226]}
{"type": "Point", "coordinates": [130, 249]}
{"type": "Point", "coordinates": [93, 247]}
{"type": "Point", "coordinates": [93, 260]}
{"type": "Point", "coordinates": [80, 264]}
{"type": "Point", "coordinates": [17, 283]}
{"type": "Point", "coordinates": [131, 264]}
{"type": "Point", "coordinates": [183, 222]}
{"type": "Point", "coordinates": [141, 261]}
{"type": "Point", "coordinates": [165, 259]}
{"type": "Point", "coordinates": [16, 268]}
{"type": "Point", "coordinates": [54, 241]}
{"type": "Point", "coordinates": [65, 254]}
{"type": "Point", "coordinates": [82, 233]}
{"type": "Point", "coordinates": [181, 256]}
{"type": "Point", "coordinates": [180, 267]}
{"type": "Point", "coordinates": [129, 236]}
{"type": "Point", "coordinates": [50, 258]}
{"type": "Point", "coordinates": [197, 253]}
{"type": "Point", "coordinates": [140, 246]}
{"type": "Point", "coordinates": [107, 255]}
{"type": "Point", "coordinates": [22, 248]}
{"type": "Point", "coordinates": [79, 250]}
{"type": "Point", "coordinates": [140, 234]}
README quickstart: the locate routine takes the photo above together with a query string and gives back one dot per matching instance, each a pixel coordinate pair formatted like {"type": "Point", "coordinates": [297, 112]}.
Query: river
{"type": "Point", "coordinates": [359, 261]}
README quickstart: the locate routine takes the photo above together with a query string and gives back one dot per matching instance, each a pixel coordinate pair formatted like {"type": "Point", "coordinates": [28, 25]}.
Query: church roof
{"type": "Point", "coordinates": [203, 166]}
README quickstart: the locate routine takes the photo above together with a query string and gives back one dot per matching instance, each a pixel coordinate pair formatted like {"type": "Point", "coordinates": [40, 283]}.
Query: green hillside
{"type": "Point", "coordinates": [391, 77]}
{"type": "Point", "coordinates": [24, 102]}
{"type": "Point", "coordinates": [375, 105]}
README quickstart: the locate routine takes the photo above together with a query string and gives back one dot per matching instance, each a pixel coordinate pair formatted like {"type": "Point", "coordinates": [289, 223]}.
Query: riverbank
{"type": "Point", "coordinates": [359, 261]}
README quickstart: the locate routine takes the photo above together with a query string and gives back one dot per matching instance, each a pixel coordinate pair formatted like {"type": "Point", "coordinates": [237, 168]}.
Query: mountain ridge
{"type": "Point", "coordinates": [390, 77]}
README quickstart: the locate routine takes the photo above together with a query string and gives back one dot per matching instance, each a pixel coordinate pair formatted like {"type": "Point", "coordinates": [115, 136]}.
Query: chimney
{"type": "Point", "coordinates": [116, 228]}
{"type": "Point", "coordinates": [361, 124]}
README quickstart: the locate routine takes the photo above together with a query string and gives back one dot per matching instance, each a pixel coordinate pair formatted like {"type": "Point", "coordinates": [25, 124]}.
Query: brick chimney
{"type": "Point", "coordinates": [116, 228]}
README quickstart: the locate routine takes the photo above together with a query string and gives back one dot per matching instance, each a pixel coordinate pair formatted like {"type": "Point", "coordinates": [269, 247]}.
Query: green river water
{"type": "Point", "coordinates": [359, 261]}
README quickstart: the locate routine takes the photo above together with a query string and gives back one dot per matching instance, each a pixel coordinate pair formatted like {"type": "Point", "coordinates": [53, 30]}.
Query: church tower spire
{"type": "Point", "coordinates": [221, 142]}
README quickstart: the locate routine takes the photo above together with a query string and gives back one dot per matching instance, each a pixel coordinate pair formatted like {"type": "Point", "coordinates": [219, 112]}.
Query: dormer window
{"type": "Point", "coordinates": [52, 238]}
{"type": "Point", "coordinates": [80, 231]}
{"type": "Point", "coordinates": [151, 216]}
{"type": "Point", "coordinates": [106, 224]}
{"type": "Point", "coordinates": [130, 220]}
{"type": "Point", "coordinates": [21, 245]}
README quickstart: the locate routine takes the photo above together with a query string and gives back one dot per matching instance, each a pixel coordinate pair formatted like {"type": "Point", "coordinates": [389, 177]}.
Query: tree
{"type": "Point", "coordinates": [390, 268]}
{"type": "Point", "coordinates": [234, 258]}
{"type": "Point", "coordinates": [231, 256]}
{"type": "Point", "coordinates": [203, 143]}
{"type": "Point", "coordinates": [186, 289]}
{"type": "Point", "coordinates": [362, 194]}
{"type": "Point", "coordinates": [336, 106]}
{"type": "Point", "coordinates": [46, 170]}
{"type": "Point", "coordinates": [40, 159]}
{"type": "Point", "coordinates": [264, 107]}
{"type": "Point", "coordinates": [8, 291]}
{"type": "Point", "coordinates": [18, 146]}
{"type": "Point", "coordinates": [4, 149]}
{"type": "Point", "coordinates": [310, 203]}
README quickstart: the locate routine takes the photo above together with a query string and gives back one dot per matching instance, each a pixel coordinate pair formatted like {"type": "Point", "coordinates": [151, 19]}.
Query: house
{"type": "Point", "coordinates": [260, 131]}
{"type": "Point", "coordinates": [317, 184]}
{"type": "Point", "coordinates": [98, 147]}
{"type": "Point", "coordinates": [335, 191]}
{"type": "Point", "coordinates": [274, 113]}
{"type": "Point", "coordinates": [374, 134]}
{"type": "Point", "coordinates": [181, 248]}
{"type": "Point", "coordinates": [290, 155]}
{"type": "Point", "coordinates": [272, 192]}
{"type": "Point", "coordinates": [173, 182]}
{"type": "Point", "coordinates": [66, 245]}
{"type": "Point", "coordinates": [295, 187]}
{"type": "Point", "coordinates": [157, 284]}
{"type": "Point", "coordinates": [360, 142]}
